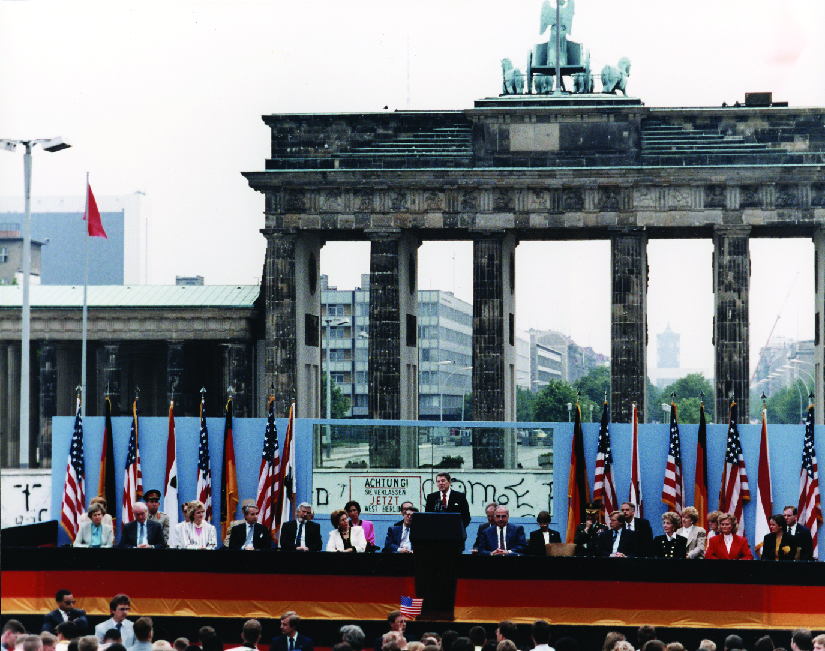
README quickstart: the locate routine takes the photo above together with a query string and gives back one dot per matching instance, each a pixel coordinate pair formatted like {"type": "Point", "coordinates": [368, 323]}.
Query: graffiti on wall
{"type": "Point", "coordinates": [27, 497]}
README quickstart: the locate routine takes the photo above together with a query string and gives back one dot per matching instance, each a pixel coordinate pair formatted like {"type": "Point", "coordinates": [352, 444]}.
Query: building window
{"type": "Point", "coordinates": [338, 378]}
{"type": "Point", "coordinates": [4, 254]}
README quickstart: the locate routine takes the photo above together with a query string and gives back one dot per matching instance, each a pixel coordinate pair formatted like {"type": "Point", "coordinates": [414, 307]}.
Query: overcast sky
{"type": "Point", "coordinates": [166, 98]}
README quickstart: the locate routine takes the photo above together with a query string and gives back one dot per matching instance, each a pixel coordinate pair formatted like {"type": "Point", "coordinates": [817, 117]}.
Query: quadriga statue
{"type": "Point", "coordinates": [615, 78]}
{"type": "Point", "coordinates": [513, 81]}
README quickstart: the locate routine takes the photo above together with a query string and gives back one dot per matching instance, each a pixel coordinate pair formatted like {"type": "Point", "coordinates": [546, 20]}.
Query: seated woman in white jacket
{"type": "Point", "coordinates": [94, 532]}
{"type": "Point", "coordinates": [195, 533]}
{"type": "Point", "coordinates": [344, 538]}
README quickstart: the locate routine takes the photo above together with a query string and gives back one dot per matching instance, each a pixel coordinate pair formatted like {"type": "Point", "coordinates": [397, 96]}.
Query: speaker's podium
{"type": "Point", "coordinates": [437, 538]}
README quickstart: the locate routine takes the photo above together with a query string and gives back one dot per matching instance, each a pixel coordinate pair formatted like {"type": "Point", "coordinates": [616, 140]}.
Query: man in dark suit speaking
{"type": "Point", "coordinates": [291, 640]}
{"type": "Point", "coordinates": [448, 500]}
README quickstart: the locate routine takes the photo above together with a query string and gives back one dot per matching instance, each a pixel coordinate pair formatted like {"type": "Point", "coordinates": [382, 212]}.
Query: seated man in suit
{"type": "Point", "coordinates": [291, 640]}
{"type": "Point", "coordinates": [250, 534]}
{"type": "Point", "coordinates": [587, 533]}
{"type": "Point", "coordinates": [65, 612]}
{"type": "Point", "coordinates": [639, 526]}
{"type": "Point", "coordinates": [489, 510]}
{"type": "Point", "coordinates": [503, 539]}
{"type": "Point", "coordinates": [142, 532]}
{"type": "Point", "coordinates": [670, 545]}
{"type": "Point", "coordinates": [616, 542]}
{"type": "Point", "coordinates": [398, 538]}
{"type": "Point", "coordinates": [543, 535]}
{"type": "Point", "coordinates": [801, 534]}
{"type": "Point", "coordinates": [401, 509]}
{"type": "Point", "coordinates": [447, 500]}
{"type": "Point", "coordinates": [301, 534]}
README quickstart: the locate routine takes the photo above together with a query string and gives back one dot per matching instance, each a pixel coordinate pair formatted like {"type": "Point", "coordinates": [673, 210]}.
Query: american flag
{"type": "Point", "coordinates": [604, 488]}
{"type": "Point", "coordinates": [268, 483]}
{"type": "Point", "coordinates": [204, 487]}
{"type": "Point", "coordinates": [673, 490]}
{"type": "Point", "coordinates": [132, 478]}
{"type": "Point", "coordinates": [74, 494]}
{"type": "Point", "coordinates": [734, 491]}
{"type": "Point", "coordinates": [810, 508]}
{"type": "Point", "coordinates": [635, 470]}
{"type": "Point", "coordinates": [410, 607]}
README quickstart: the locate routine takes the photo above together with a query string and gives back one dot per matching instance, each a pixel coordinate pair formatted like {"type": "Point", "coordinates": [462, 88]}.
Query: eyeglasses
{"type": "Point", "coordinates": [69, 601]}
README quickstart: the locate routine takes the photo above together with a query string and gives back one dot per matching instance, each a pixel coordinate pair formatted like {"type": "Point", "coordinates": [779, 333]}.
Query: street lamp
{"type": "Point", "coordinates": [446, 382]}
{"type": "Point", "coordinates": [51, 145]}
{"type": "Point", "coordinates": [440, 391]}
{"type": "Point", "coordinates": [330, 323]}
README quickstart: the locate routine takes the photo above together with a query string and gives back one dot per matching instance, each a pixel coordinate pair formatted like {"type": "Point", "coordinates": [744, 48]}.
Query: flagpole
{"type": "Point", "coordinates": [85, 307]}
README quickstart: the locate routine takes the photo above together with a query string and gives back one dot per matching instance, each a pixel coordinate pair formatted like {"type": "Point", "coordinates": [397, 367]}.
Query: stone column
{"type": "Point", "coordinates": [292, 359]}
{"type": "Point", "coordinates": [175, 389]}
{"type": "Point", "coordinates": [48, 398]}
{"type": "Point", "coordinates": [819, 340]}
{"type": "Point", "coordinates": [494, 340]}
{"type": "Point", "coordinates": [628, 326]}
{"type": "Point", "coordinates": [109, 364]}
{"type": "Point", "coordinates": [236, 369]}
{"type": "Point", "coordinates": [731, 285]}
{"type": "Point", "coordinates": [11, 432]}
{"type": "Point", "coordinates": [393, 345]}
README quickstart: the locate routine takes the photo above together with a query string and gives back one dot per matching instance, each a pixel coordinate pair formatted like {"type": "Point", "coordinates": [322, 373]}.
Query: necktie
{"type": "Point", "coordinates": [615, 535]}
{"type": "Point", "coordinates": [501, 539]}
{"type": "Point", "coordinates": [119, 626]}
{"type": "Point", "coordinates": [249, 530]}
{"type": "Point", "coordinates": [298, 539]}
{"type": "Point", "coordinates": [142, 535]}
{"type": "Point", "coordinates": [404, 535]}
{"type": "Point", "coordinates": [292, 642]}
{"type": "Point", "coordinates": [444, 499]}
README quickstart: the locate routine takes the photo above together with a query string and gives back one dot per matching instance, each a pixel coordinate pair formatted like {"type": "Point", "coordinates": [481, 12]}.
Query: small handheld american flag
{"type": "Point", "coordinates": [410, 607]}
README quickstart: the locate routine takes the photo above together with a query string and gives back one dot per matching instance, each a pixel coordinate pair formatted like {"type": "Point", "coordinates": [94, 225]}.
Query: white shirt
{"type": "Point", "coordinates": [728, 541]}
{"type": "Point", "coordinates": [405, 538]}
{"type": "Point", "coordinates": [792, 530]}
{"type": "Point", "coordinates": [543, 647]}
{"type": "Point", "coordinates": [300, 541]}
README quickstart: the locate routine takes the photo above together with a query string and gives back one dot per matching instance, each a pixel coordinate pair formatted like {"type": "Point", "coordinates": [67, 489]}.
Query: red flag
{"type": "Point", "coordinates": [673, 490]}
{"type": "Point", "coordinates": [106, 482]}
{"type": "Point", "coordinates": [764, 501]}
{"type": "Point", "coordinates": [734, 491]}
{"type": "Point", "coordinates": [92, 215]}
{"type": "Point", "coordinates": [269, 474]}
{"type": "Point", "coordinates": [810, 507]}
{"type": "Point", "coordinates": [288, 476]}
{"type": "Point", "coordinates": [635, 471]}
{"type": "Point", "coordinates": [229, 478]}
{"type": "Point", "coordinates": [700, 492]}
{"type": "Point", "coordinates": [170, 498]}
{"type": "Point", "coordinates": [578, 490]}
{"type": "Point", "coordinates": [604, 488]}
{"type": "Point", "coordinates": [74, 499]}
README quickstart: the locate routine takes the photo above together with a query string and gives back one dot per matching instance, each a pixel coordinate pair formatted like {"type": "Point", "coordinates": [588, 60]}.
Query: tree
{"type": "Point", "coordinates": [340, 403]}
{"type": "Point", "coordinates": [468, 406]}
{"type": "Point", "coordinates": [688, 390]}
{"type": "Point", "coordinates": [524, 404]}
{"type": "Point", "coordinates": [550, 404]}
{"type": "Point", "coordinates": [787, 405]}
{"type": "Point", "coordinates": [653, 411]}
{"type": "Point", "coordinates": [595, 385]}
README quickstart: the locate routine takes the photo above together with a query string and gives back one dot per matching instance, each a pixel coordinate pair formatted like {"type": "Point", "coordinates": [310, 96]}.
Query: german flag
{"type": "Point", "coordinates": [106, 483]}
{"type": "Point", "coordinates": [578, 490]}
{"type": "Point", "coordinates": [700, 494]}
{"type": "Point", "coordinates": [229, 477]}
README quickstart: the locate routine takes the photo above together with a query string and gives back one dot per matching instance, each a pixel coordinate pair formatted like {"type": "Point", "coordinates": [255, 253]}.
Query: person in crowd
{"type": "Point", "coordinates": [778, 544]}
{"type": "Point", "coordinates": [675, 646]}
{"type": "Point", "coordinates": [66, 632]}
{"type": "Point", "coordinates": [727, 545]}
{"type": "Point", "coordinates": [445, 499]}
{"type": "Point", "coordinates": [212, 643]}
{"type": "Point", "coordinates": [713, 525]}
{"type": "Point", "coordinates": [120, 605]}
{"type": "Point", "coordinates": [587, 532]}
{"type": "Point", "coordinates": [398, 538]}
{"type": "Point", "coordinates": [802, 640]}
{"type": "Point", "coordinates": [542, 536]}
{"type": "Point", "coordinates": [143, 635]}
{"type": "Point", "coordinates": [107, 519]}
{"type": "Point", "coordinates": [65, 612]}
{"type": "Point", "coordinates": [696, 536]}
{"type": "Point", "coordinates": [195, 532]}
{"type": "Point", "coordinates": [505, 645]}
{"type": "Point", "coordinates": [431, 638]}
{"type": "Point", "coordinates": [490, 511]}
{"type": "Point", "coordinates": [152, 499]}
{"type": "Point", "coordinates": [344, 538]}
{"type": "Point", "coordinates": [117, 646]}
{"type": "Point", "coordinates": [447, 638]}
{"type": "Point", "coordinates": [506, 631]}
{"type": "Point", "coordinates": [639, 526]}
{"type": "Point", "coordinates": [250, 635]}
{"type": "Point", "coordinates": [301, 534]}
{"type": "Point", "coordinates": [616, 541]}
{"type": "Point", "coordinates": [819, 643]}
{"type": "Point", "coordinates": [93, 532]}
{"type": "Point", "coordinates": [110, 637]}
{"type": "Point", "coordinates": [732, 641]}
{"type": "Point", "coordinates": [670, 545]}
{"type": "Point", "coordinates": [764, 643]}
{"type": "Point", "coordinates": [48, 640]}
{"type": "Point", "coordinates": [351, 634]}
{"type": "Point", "coordinates": [623, 645]}
{"type": "Point", "coordinates": [162, 645]}
{"type": "Point", "coordinates": [707, 645]}
{"type": "Point", "coordinates": [250, 534]}
{"type": "Point", "coordinates": [180, 644]}
{"type": "Point", "coordinates": [611, 639]}
{"type": "Point", "coordinates": [645, 633]}
{"type": "Point", "coordinates": [205, 632]}
{"type": "Point", "coordinates": [398, 624]}
{"type": "Point", "coordinates": [141, 532]}
{"type": "Point", "coordinates": [29, 643]}
{"type": "Point", "coordinates": [540, 632]}
{"type": "Point", "coordinates": [801, 534]}
{"type": "Point", "coordinates": [503, 539]}
{"type": "Point", "coordinates": [654, 645]}
{"type": "Point", "coordinates": [478, 636]}
{"type": "Point", "coordinates": [290, 639]}
{"type": "Point", "coordinates": [353, 509]}
{"type": "Point", "coordinates": [88, 643]}
{"type": "Point", "coordinates": [462, 644]}
{"type": "Point", "coordinates": [415, 646]}
{"type": "Point", "coordinates": [393, 641]}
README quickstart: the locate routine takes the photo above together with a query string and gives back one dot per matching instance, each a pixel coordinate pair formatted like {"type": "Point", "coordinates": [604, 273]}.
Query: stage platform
{"type": "Point", "coordinates": [363, 587]}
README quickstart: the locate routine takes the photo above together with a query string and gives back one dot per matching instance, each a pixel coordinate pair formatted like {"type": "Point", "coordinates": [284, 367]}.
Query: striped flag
{"type": "Point", "coordinates": [74, 492]}
{"type": "Point", "coordinates": [132, 478]}
{"type": "Point", "coordinates": [734, 491]}
{"type": "Point", "coordinates": [204, 487]}
{"type": "Point", "coordinates": [229, 477]}
{"type": "Point", "coordinates": [764, 501]}
{"type": "Point", "coordinates": [810, 507]}
{"type": "Point", "coordinates": [410, 607]}
{"type": "Point", "coordinates": [287, 478]}
{"type": "Point", "coordinates": [635, 472]}
{"type": "Point", "coordinates": [578, 489]}
{"type": "Point", "coordinates": [268, 477]}
{"type": "Point", "coordinates": [106, 482]}
{"type": "Point", "coordinates": [673, 490]}
{"type": "Point", "coordinates": [604, 488]}
{"type": "Point", "coordinates": [700, 492]}
{"type": "Point", "coordinates": [170, 497]}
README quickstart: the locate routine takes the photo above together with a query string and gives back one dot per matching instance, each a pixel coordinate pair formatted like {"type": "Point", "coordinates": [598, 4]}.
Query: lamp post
{"type": "Point", "coordinates": [440, 390]}
{"type": "Point", "coordinates": [446, 382]}
{"type": "Point", "coordinates": [51, 145]}
{"type": "Point", "coordinates": [330, 323]}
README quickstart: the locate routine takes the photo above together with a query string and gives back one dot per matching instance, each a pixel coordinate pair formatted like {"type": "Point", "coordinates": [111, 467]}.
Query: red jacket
{"type": "Point", "coordinates": [739, 548]}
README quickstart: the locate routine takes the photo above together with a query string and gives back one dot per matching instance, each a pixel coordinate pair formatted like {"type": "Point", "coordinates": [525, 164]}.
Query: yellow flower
{"type": "Point", "coordinates": [786, 549]}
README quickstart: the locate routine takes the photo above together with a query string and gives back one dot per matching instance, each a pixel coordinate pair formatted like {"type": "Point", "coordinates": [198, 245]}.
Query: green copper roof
{"type": "Point", "coordinates": [132, 296]}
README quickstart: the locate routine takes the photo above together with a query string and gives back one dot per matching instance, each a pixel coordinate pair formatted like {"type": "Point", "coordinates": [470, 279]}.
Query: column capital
{"type": "Point", "coordinates": [731, 230]}
{"type": "Point", "coordinates": [383, 234]}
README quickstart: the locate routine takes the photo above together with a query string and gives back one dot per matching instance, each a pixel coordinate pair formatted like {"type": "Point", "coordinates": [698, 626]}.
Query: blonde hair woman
{"type": "Point", "coordinates": [195, 533]}
{"type": "Point", "coordinates": [696, 535]}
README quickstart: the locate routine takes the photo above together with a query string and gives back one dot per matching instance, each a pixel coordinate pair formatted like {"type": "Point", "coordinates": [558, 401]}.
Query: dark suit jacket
{"type": "Point", "coordinates": [393, 539]}
{"type": "Point", "coordinates": [52, 619]}
{"type": "Point", "coordinates": [644, 537]}
{"type": "Point", "coordinates": [456, 504]}
{"type": "Point", "coordinates": [481, 528]}
{"type": "Point", "coordinates": [312, 537]}
{"type": "Point", "coordinates": [805, 542]}
{"type": "Point", "coordinates": [513, 538]}
{"type": "Point", "coordinates": [662, 548]}
{"type": "Point", "coordinates": [769, 547]}
{"type": "Point", "coordinates": [627, 543]}
{"type": "Point", "coordinates": [302, 642]}
{"type": "Point", "coordinates": [154, 535]}
{"type": "Point", "coordinates": [535, 546]}
{"type": "Point", "coordinates": [586, 542]}
{"type": "Point", "coordinates": [261, 539]}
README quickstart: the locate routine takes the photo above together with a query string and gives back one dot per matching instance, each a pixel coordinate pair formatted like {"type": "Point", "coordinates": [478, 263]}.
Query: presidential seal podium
{"type": "Point", "coordinates": [437, 539]}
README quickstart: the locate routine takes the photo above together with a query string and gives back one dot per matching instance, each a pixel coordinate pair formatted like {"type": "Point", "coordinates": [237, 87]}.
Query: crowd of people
{"type": "Point", "coordinates": [67, 629]}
